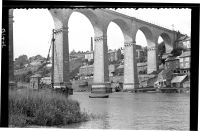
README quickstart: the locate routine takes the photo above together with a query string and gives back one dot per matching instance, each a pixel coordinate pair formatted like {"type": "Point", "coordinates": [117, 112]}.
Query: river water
{"type": "Point", "coordinates": [143, 111]}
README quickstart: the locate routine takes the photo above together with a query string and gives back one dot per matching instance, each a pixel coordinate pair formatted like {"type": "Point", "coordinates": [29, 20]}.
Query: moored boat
{"type": "Point", "coordinates": [83, 83]}
{"type": "Point", "coordinates": [93, 95]}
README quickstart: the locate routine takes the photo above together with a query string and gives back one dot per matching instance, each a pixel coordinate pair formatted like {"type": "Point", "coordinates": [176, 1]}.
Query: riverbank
{"type": "Point", "coordinates": [43, 108]}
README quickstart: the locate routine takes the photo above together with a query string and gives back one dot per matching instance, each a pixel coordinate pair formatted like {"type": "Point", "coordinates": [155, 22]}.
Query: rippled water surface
{"type": "Point", "coordinates": [142, 111]}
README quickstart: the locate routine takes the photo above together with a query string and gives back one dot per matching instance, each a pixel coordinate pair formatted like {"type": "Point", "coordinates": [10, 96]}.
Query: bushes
{"type": "Point", "coordinates": [43, 108]}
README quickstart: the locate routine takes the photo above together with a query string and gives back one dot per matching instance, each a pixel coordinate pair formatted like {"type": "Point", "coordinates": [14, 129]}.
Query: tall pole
{"type": "Point", "coordinates": [52, 70]}
{"type": "Point", "coordinates": [91, 46]}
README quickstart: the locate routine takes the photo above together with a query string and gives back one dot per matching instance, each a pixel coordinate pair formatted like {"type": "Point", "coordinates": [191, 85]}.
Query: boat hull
{"type": "Point", "coordinates": [98, 96]}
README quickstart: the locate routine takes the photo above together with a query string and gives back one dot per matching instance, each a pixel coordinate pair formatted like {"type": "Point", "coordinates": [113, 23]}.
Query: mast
{"type": "Point", "coordinates": [52, 67]}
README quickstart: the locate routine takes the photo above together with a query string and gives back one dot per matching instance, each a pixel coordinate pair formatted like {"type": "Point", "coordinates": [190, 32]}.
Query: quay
{"type": "Point", "coordinates": [162, 90]}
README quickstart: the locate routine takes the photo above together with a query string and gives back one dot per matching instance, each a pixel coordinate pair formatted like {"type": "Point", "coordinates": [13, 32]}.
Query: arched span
{"type": "Point", "coordinates": [63, 15]}
{"type": "Point", "coordinates": [168, 42]}
{"type": "Point", "coordinates": [166, 38]}
{"type": "Point", "coordinates": [148, 35]}
{"type": "Point", "coordinates": [124, 28]}
{"type": "Point", "coordinates": [92, 18]}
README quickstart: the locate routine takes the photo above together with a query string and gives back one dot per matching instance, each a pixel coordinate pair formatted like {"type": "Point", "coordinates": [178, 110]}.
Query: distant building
{"type": "Point", "coordinates": [114, 55]}
{"type": "Point", "coordinates": [89, 55]}
{"type": "Point", "coordinates": [111, 69]}
{"type": "Point", "coordinates": [46, 80]}
{"type": "Point", "coordinates": [164, 78]}
{"type": "Point", "coordinates": [187, 43]}
{"type": "Point", "coordinates": [172, 63]}
{"type": "Point", "coordinates": [184, 60]}
{"type": "Point", "coordinates": [184, 41]}
{"type": "Point", "coordinates": [142, 68]}
{"type": "Point", "coordinates": [178, 81]}
{"type": "Point", "coordinates": [119, 70]}
{"type": "Point", "coordinates": [77, 55]}
{"type": "Point", "coordinates": [86, 70]}
{"type": "Point", "coordinates": [139, 52]}
{"type": "Point", "coordinates": [35, 81]}
{"type": "Point", "coordinates": [166, 55]}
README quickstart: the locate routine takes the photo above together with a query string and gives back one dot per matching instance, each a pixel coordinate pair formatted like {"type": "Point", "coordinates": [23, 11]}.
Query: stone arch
{"type": "Point", "coordinates": [148, 35]}
{"type": "Point", "coordinates": [124, 28]}
{"type": "Point", "coordinates": [168, 42]}
{"type": "Point", "coordinates": [93, 18]}
{"type": "Point", "coordinates": [130, 65]}
{"type": "Point", "coordinates": [61, 19]}
{"type": "Point", "coordinates": [151, 49]}
{"type": "Point", "coordinates": [62, 16]}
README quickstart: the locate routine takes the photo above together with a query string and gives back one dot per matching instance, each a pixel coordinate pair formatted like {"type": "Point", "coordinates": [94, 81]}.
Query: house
{"type": "Point", "coordinates": [178, 81]}
{"type": "Point", "coordinates": [184, 41]}
{"type": "Point", "coordinates": [184, 60]}
{"type": "Point", "coordinates": [89, 55]}
{"type": "Point", "coordinates": [166, 55]}
{"type": "Point", "coordinates": [186, 84]}
{"type": "Point", "coordinates": [149, 82]}
{"type": "Point", "coordinates": [46, 80]}
{"type": "Point", "coordinates": [86, 70]}
{"type": "Point", "coordinates": [172, 63]}
{"type": "Point", "coordinates": [35, 81]}
{"type": "Point", "coordinates": [187, 43]}
{"type": "Point", "coordinates": [114, 55]}
{"type": "Point", "coordinates": [140, 54]}
{"type": "Point", "coordinates": [142, 68]}
{"type": "Point", "coordinates": [164, 78]}
{"type": "Point", "coordinates": [119, 70]}
{"type": "Point", "coordinates": [111, 69]}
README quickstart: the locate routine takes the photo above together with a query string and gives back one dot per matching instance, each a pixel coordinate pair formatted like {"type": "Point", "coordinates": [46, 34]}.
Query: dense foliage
{"type": "Point", "coordinates": [42, 108]}
{"type": "Point", "coordinates": [177, 51]}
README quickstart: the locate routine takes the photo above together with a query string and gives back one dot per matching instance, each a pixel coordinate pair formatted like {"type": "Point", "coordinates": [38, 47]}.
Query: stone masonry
{"type": "Point", "coordinates": [100, 19]}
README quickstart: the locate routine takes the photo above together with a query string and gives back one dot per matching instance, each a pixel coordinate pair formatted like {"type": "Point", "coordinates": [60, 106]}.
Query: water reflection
{"type": "Point", "coordinates": [136, 111]}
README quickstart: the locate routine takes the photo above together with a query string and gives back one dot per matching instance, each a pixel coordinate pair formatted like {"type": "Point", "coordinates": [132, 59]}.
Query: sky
{"type": "Point", "coordinates": [32, 29]}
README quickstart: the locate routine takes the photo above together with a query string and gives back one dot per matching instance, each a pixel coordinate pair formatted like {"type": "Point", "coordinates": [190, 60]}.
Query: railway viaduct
{"type": "Point", "coordinates": [100, 19]}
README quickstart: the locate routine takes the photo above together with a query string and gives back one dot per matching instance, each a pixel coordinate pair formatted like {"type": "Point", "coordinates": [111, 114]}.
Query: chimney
{"type": "Point", "coordinates": [91, 44]}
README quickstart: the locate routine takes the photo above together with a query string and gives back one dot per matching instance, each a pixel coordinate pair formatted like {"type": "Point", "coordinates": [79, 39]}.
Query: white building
{"type": "Point", "coordinates": [46, 80]}
{"type": "Point", "coordinates": [89, 55]}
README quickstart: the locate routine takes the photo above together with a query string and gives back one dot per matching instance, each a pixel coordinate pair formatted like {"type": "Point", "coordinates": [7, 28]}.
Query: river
{"type": "Point", "coordinates": [137, 111]}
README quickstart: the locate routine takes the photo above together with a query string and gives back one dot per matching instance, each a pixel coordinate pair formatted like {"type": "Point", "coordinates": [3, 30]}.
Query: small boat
{"type": "Point", "coordinates": [93, 95]}
{"type": "Point", "coordinates": [83, 83]}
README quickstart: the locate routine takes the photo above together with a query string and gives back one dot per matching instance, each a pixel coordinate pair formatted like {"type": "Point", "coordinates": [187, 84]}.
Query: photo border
{"type": "Point", "coordinates": [195, 16]}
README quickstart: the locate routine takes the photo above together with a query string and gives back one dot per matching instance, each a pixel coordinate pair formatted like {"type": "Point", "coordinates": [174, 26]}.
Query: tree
{"type": "Point", "coordinates": [122, 56]}
{"type": "Point", "coordinates": [177, 51]}
{"type": "Point", "coordinates": [21, 61]}
{"type": "Point", "coordinates": [73, 52]}
{"type": "Point", "coordinates": [161, 49]}
{"type": "Point", "coordinates": [35, 58]}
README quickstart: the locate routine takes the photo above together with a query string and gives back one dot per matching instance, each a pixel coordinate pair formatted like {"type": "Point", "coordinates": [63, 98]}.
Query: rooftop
{"type": "Point", "coordinates": [36, 75]}
{"type": "Point", "coordinates": [184, 38]}
{"type": "Point", "coordinates": [164, 56]}
{"type": "Point", "coordinates": [172, 58]}
{"type": "Point", "coordinates": [185, 54]}
{"type": "Point", "coordinates": [178, 79]}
